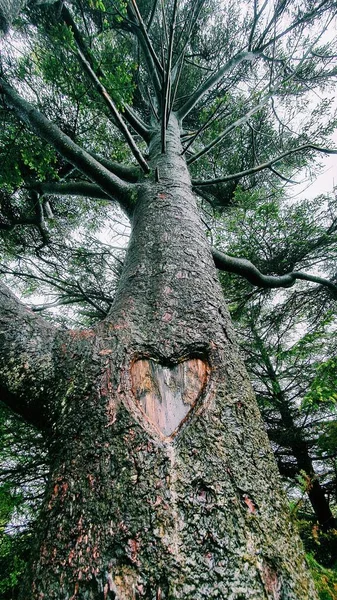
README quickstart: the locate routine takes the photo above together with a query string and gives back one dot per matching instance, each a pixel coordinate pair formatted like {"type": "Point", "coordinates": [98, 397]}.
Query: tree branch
{"type": "Point", "coordinates": [27, 367]}
{"type": "Point", "coordinates": [113, 109]}
{"type": "Point", "coordinates": [213, 80]}
{"type": "Point", "coordinates": [72, 188]}
{"type": "Point", "coordinates": [82, 160]}
{"type": "Point", "coordinates": [134, 120]}
{"type": "Point", "coordinates": [303, 19]}
{"type": "Point", "coordinates": [243, 267]}
{"type": "Point", "coordinates": [262, 166]}
{"type": "Point", "coordinates": [143, 29]}
{"type": "Point", "coordinates": [130, 173]}
{"type": "Point", "coordinates": [226, 131]}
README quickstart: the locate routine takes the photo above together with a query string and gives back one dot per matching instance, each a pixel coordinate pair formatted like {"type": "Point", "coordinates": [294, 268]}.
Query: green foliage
{"type": "Point", "coordinates": [325, 579]}
{"type": "Point", "coordinates": [323, 388]}
{"type": "Point", "coordinates": [13, 546]}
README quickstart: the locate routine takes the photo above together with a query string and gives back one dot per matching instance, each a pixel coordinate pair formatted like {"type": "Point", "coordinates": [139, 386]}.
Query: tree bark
{"type": "Point", "coordinates": [163, 485]}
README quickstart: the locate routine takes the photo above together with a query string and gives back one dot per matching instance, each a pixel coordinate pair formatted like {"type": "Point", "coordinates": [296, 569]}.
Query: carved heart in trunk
{"type": "Point", "coordinates": [167, 394]}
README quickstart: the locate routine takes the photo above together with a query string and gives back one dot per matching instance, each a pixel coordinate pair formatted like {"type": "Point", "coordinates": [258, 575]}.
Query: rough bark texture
{"type": "Point", "coordinates": [157, 494]}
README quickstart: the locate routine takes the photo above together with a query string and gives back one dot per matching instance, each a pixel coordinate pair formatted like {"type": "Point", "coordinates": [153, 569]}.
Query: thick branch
{"type": "Point", "coordinates": [82, 160]}
{"type": "Point", "coordinates": [213, 80]}
{"type": "Point", "coordinates": [72, 188]}
{"type": "Point", "coordinates": [262, 166]}
{"type": "Point", "coordinates": [128, 173]}
{"type": "Point", "coordinates": [26, 359]}
{"type": "Point", "coordinates": [243, 267]}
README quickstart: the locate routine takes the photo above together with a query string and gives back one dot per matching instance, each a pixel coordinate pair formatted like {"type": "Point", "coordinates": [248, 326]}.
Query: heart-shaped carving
{"type": "Point", "coordinates": [167, 394]}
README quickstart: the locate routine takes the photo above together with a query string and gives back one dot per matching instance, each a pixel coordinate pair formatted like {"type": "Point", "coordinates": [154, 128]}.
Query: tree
{"type": "Point", "coordinates": [287, 339]}
{"type": "Point", "coordinates": [162, 481]}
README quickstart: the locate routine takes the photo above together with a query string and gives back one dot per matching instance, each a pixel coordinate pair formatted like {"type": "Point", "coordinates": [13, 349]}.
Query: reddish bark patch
{"type": "Point", "coordinates": [271, 581]}
{"type": "Point", "coordinates": [250, 504]}
{"type": "Point", "coordinates": [106, 386]}
{"type": "Point", "coordinates": [167, 317]}
{"type": "Point", "coordinates": [167, 394]}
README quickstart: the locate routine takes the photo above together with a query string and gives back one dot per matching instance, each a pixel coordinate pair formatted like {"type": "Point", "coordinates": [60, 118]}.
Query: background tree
{"type": "Point", "coordinates": [131, 100]}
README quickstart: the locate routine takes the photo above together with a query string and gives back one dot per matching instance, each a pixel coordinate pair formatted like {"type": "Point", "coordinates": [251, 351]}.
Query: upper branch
{"type": "Point", "coordinates": [213, 80]}
{"type": "Point", "coordinates": [246, 269]}
{"type": "Point", "coordinates": [130, 116]}
{"type": "Point", "coordinates": [148, 42]}
{"type": "Point", "coordinates": [113, 109]}
{"type": "Point", "coordinates": [228, 129]}
{"type": "Point", "coordinates": [262, 166]}
{"type": "Point", "coordinates": [307, 17]}
{"type": "Point", "coordinates": [112, 185]}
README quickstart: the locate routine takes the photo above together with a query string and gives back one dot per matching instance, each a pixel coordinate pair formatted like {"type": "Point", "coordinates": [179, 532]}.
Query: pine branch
{"type": "Point", "coordinates": [150, 66]}
{"type": "Point", "coordinates": [112, 185]}
{"type": "Point", "coordinates": [131, 117]}
{"type": "Point", "coordinates": [213, 80]}
{"type": "Point", "coordinates": [148, 42]}
{"type": "Point", "coordinates": [302, 19]}
{"type": "Point", "coordinates": [82, 189]}
{"type": "Point", "coordinates": [262, 166]}
{"type": "Point", "coordinates": [114, 111]}
{"type": "Point", "coordinates": [228, 130]}
{"type": "Point", "coordinates": [72, 188]}
{"type": "Point", "coordinates": [152, 15]}
{"type": "Point", "coordinates": [128, 173]}
{"type": "Point", "coordinates": [243, 267]}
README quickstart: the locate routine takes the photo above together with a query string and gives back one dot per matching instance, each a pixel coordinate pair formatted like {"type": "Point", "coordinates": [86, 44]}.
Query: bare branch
{"type": "Point", "coordinates": [148, 42]}
{"type": "Point", "coordinates": [243, 267]}
{"type": "Point", "coordinates": [228, 129]}
{"type": "Point", "coordinates": [213, 80]}
{"type": "Point", "coordinates": [113, 109]}
{"type": "Point", "coordinates": [263, 166]}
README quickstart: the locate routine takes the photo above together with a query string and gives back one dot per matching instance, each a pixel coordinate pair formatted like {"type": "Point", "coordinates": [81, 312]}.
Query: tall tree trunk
{"type": "Point", "coordinates": [163, 484]}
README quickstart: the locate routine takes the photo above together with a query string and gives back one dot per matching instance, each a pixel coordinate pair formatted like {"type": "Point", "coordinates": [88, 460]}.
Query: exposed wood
{"type": "Point", "coordinates": [167, 394]}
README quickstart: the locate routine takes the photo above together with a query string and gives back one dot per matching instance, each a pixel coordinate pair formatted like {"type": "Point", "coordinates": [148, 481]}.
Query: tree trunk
{"type": "Point", "coordinates": [316, 495]}
{"type": "Point", "coordinates": [163, 484]}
